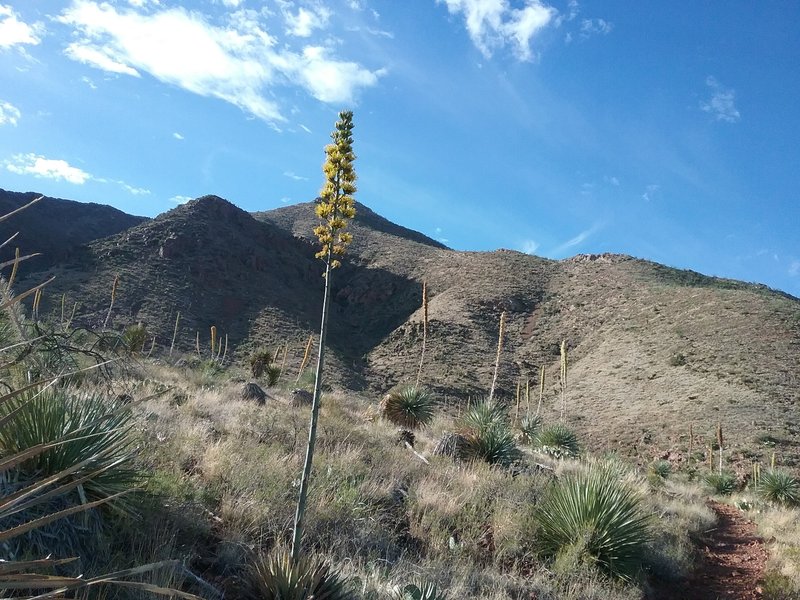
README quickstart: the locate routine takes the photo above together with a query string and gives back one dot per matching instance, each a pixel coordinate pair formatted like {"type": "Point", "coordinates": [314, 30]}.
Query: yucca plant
{"type": "Point", "coordinates": [558, 440]}
{"type": "Point", "coordinates": [723, 484]}
{"type": "Point", "coordinates": [487, 435]}
{"type": "Point", "coordinates": [595, 510]}
{"type": "Point", "coordinates": [779, 487]}
{"type": "Point", "coordinates": [529, 428]}
{"type": "Point", "coordinates": [278, 577]}
{"type": "Point", "coordinates": [259, 362]}
{"type": "Point", "coordinates": [419, 590]}
{"type": "Point", "coordinates": [410, 407]}
{"type": "Point", "coordinates": [660, 470]}
{"type": "Point", "coordinates": [134, 337]}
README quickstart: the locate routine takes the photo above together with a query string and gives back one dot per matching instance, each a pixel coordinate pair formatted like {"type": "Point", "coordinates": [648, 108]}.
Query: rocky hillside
{"type": "Point", "coordinates": [651, 349]}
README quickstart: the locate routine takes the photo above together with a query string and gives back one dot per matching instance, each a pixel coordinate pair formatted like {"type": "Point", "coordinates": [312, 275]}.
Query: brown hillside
{"type": "Point", "coordinates": [651, 349]}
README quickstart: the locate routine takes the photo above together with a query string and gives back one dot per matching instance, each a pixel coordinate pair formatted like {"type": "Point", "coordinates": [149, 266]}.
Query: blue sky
{"type": "Point", "coordinates": [668, 131]}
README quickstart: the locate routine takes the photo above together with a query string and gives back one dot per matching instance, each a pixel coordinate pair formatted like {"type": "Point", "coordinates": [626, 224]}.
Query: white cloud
{"type": "Point", "coordinates": [722, 102]}
{"type": "Point", "coordinates": [595, 26]}
{"type": "Point", "coordinates": [292, 175]}
{"type": "Point", "coordinates": [136, 191]}
{"type": "Point", "coordinates": [529, 247]}
{"type": "Point", "coordinates": [577, 240]}
{"type": "Point", "coordinates": [305, 20]}
{"type": "Point", "coordinates": [47, 168]}
{"type": "Point", "coordinates": [611, 179]}
{"type": "Point", "coordinates": [794, 268]}
{"type": "Point", "coordinates": [493, 24]}
{"type": "Point", "coordinates": [89, 82]}
{"type": "Point", "coordinates": [14, 32]}
{"type": "Point", "coordinates": [177, 136]}
{"type": "Point", "coordinates": [650, 192]}
{"type": "Point", "coordinates": [180, 199]}
{"type": "Point", "coordinates": [238, 62]}
{"type": "Point", "coordinates": [304, 128]}
{"type": "Point", "coordinates": [9, 114]}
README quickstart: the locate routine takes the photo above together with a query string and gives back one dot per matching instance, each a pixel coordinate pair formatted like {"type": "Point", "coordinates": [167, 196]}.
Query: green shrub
{"type": "Point", "coordinates": [420, 590]}
{"type": "Point", "coordinates": [779, 487]}
{"type": "Point", "coordinates": [660, 470]}
{"type": "Point", "coordinates": [484, 415]}
{"type": "Point", "coordinates": [494, 444]}
{"type": "Point", "coordinates": [529, 428]}
{"type": "Point", "coordinates": [723, 484]}
{"type": "Point", "coordinates": [410, 407]}
{"type": "Point", "coordinates": [259, 362]}
{"type": "Point", "coordinates": [135, 337]}
{"type": "Point", "coordinates": [592, 515]}
{"type": "Point", "coordinates": [558, 440]}
{"type": "Point", "coordinates": [278, 578]}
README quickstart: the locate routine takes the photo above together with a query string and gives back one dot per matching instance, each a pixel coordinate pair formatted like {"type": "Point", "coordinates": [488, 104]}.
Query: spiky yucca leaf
{"type": "Point", "coordinates": [410, 407]}
{"type": "Point", "coordinates": [661, 469]}
{"type": "Point", "coordinates": [594, 509]}
{"type": "Point", "coordinates": [494, 444]}
{"type": "Point", "coordinates": [558, 440]}
{"type": "Point", "coordinates": [277, 577]}
{"type": "Point", "coordinates": [529, 428]}
{"type": "Point", "coordinates": [779, 487]}
{"type": "Point", "coordinates": [420, 590]}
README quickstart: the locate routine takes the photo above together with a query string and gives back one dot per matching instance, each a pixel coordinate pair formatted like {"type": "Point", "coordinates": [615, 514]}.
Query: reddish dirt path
{"type": "Point", "coordinates": [730, 563]}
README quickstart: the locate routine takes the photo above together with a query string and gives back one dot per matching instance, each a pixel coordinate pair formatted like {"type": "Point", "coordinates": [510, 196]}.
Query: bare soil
{"type": "Point", "coordinates": [731, 562]}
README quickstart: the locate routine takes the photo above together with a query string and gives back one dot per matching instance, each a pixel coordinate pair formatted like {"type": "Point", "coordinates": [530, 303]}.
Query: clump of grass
{"type": "Point", "coordinates": [410, 407]}
{"type": "Point", "coordinates": [723, 484]}
{"type": "Point", "coordinates": [280, 578]}
{"type": "Point", "coordinates": [593, 517]}
{"type": "Point", "coordinates": [558, 440]}
{"type": "Point", "coordinates": [779, 487]}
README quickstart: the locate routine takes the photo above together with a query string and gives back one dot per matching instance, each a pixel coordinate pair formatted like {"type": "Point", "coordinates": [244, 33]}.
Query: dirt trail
{"type": "Point", "coordinates": [730, 563]}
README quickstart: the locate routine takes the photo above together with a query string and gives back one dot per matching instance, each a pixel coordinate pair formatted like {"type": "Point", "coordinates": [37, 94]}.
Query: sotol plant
{"type": "Point", "coordinates": [779, 487]}
{"type": "Point", "coordinates": [282, 578]}
{"type": "Point", "coordinates": [594, 510]}
{"type": "Point", "coordinates": [558, 440]}
{"type": "Point", "coordinates": [410, 407]}
{"type": "Point", "coordinates": [335, 207]}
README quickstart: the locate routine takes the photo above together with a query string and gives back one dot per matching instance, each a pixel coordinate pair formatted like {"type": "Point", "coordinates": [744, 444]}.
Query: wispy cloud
{"type": "Point", "coordinates": [529, 247]}
{"type": "Point", "coordinates": [611, 180]}
{"type": "Point", "coordinates": [9, 114]}
{"type": "Point", "coordinates": [304, 128]}
{"type": "Point", "coordinates": [650, 192]}
{"type": "Point", "coordinates": [794, 268]}
{"type": "Point", "coordinates": [303, 22]}
{"type": "Point", "coordinates": [722, 104]}
{"type": "Point", "coordinates": [14, 32]}
{"type": "Point", "coordinates": [577, 240]}
{"type": "Point", "coordinates": [177, 136]}
{"type": "Point", "coordinates": [237, 61]}
{"type": "Point", "coordinates": [591, 27]}
{"type": "Point", "coordinates": [180, 199]}
{"type": "Point", "coordinates": [292, 175]}
{"type": "Point", "coordinates": [47, 168]}
{"type": "Point", "coordinates": [494, 24]}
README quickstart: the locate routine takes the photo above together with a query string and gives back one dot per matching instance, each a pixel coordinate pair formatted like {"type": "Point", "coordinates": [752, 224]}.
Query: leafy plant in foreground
{"type": "Point", "coordinates": [281, 578]}
{"type": "Point", "coordinates": [594, 510]}
{"type": "Point", "coordinates": [410, 407]}
{"type": "Point", "coordinates": [779, 487]}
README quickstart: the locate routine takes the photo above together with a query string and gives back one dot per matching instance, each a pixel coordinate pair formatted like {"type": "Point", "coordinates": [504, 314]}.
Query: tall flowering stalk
{"type": "Point", "coordinates": [335, 207]}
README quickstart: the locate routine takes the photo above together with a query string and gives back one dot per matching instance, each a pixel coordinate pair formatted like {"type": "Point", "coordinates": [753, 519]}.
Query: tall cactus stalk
{"type": "Point", "coordinates": [499, 350]}
{"type": "Point", "coordinates": [563, 379]}
{"type": "Point", "coordinates": [335, 208]}
{"type": "Point", "coordinates": [424, 330]}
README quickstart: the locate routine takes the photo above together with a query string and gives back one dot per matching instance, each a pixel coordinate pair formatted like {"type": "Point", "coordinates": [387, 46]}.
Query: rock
{"type": "Point", "coordinates": [302, 397]}
{"type": "Point", "coordinates": [252, 391]}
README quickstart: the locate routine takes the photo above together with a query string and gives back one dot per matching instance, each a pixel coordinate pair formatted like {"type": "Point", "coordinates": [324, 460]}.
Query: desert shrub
{"type": "Point", "coordinates": [273, 374]}
{"type": "Point", "coordinates": [135, 337]}
{"type": "Point", "coordinates": [420, 590]}
{"type": "Point", "coordinates": [410, 407]}
{"type": "Point", "coordinates": [677, 360]}
{"type": "Point", "coordinates": [779, 487]}
{"type": "Point", "coordinates": [593, 517]}
{"type": "Point", "coordinates": [494, 444]}
{"type": "Point", "coordinates": [279, 578]}
{"type": "Point", "coordinates": [529, 427]}
{"type": "Point", "coordinates": [260, 360]}
{"type": "Point", "coordinates": [723, 484]}
{"type": "Point", "coordinates": [659, 471]}
{"type": "Point", "coordinates": [484, 415]}
{"type": "Point", "coordinates": [558, 440]}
